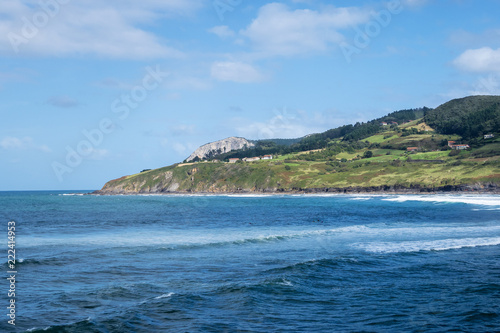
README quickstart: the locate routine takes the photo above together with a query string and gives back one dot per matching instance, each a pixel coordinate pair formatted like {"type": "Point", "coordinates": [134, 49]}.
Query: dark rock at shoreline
{"type": "Point", "coordinates": [489, 188]}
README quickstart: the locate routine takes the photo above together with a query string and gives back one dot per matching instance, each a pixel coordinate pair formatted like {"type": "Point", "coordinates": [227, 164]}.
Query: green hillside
{"type": "Point", "coordinates": [347, 133]}
{"type": "Point", "coordinates": [469, 117]}
{"type": "Point", "coordinates": [379, 160]}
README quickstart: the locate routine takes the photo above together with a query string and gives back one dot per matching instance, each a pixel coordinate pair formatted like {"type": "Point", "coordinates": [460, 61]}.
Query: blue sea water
{"type": "Point", "coordinates": [401, 263]}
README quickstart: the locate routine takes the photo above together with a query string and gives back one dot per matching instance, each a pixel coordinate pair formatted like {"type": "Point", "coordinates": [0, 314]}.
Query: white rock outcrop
{"type": "Point", "coordinates": [220, 147]}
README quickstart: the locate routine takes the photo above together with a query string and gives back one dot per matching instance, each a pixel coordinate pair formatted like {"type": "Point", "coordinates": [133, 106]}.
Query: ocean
{"type": "Point", "coordinates": [383, 263]}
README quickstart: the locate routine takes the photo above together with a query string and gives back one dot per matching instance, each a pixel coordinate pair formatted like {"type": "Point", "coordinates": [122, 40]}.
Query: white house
{"type": "Point", "coordinates": [251, 159]}
{"type": "Point", "coordinates": [460, 147]}
{"type": "Point", "coordinates": [267, 157]}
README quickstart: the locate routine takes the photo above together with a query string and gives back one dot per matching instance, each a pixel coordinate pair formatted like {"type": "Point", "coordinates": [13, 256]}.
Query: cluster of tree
{"type": "Point", "coordinates": [363, 131]}
{"type": "Point", "coordinates": [358, 131]}
{"type": "Point", "coordinates": [411, 131]}
{"type": "Point", "coordinates": [406, 115]}
{"type": "Point", "coordinates": [280, 142]}
{"type": "Point", "coordinates": [348, 133]}
{"type": "Point", "coordinates": [470, 117]}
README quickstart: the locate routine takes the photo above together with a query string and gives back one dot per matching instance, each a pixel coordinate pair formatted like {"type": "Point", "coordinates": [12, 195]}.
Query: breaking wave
{"type": "Point", "coordinates": [434, 245]}
{"type": "Point", "coordinates": [485, 200]}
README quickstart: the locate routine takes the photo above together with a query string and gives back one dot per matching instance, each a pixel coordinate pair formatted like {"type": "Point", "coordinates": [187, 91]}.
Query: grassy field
{"type": "Point", "coordinates": [380, 138]}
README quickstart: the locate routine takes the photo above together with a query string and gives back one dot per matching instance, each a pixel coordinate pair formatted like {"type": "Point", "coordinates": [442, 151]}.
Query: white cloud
{"type": "Point", "coordinates": [280, 31]}
{"type": "Point", "coordinates": [222, 31]}
{"type": "Point", "coordinates": [172, 96]}
{"type": "Point", "coordinates": [236, 72]}
{"type": "Point", "coordinates": [185, 82]}
{"type": "Point", "coordinates": [14, 76]}
{"type": "Point", "coordinates": [483, 60]}
{"type": "Point", "coordinates": [14, 143]}
{"type": "Point", "coordinates": [97, 154]}
{"type": "Point", "coordinates": [489, 85]}
{"type": "Point", "coordinates": [481, 85]}
{"type": "Point", "coordinates": [65, 102]}
{"type": "Point", "coordinates": [285, 124]}
{"type": "Point", "coordinates": [114, 83]}
{"type": "Point", "coordinates": [180, 148]}
{"type": "Point", "coordinates": [277, 127]}
{"type": "Point", "coordinates": [113, 29]}
{"type": "Point", "coordinates": [472, 40]}
{"type": "Point", "coordinates": [414, 3]}
{"type": "Point", "coordinates": [182, 130]}
{"type": "Point", "coordinates": [26, 143]}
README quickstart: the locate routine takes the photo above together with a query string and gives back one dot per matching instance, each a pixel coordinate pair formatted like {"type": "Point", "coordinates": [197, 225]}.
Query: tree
{"type": "Point", "coordinates": [368, 154]}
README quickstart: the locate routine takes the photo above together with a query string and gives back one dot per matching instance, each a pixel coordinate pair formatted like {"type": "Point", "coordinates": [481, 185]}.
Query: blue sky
{"type": "Point", "coordinates": [94, 90]}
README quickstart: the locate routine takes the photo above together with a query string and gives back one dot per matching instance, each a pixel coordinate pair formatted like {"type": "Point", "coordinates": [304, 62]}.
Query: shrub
{"type": "Point", "coordinates": [368, 154]}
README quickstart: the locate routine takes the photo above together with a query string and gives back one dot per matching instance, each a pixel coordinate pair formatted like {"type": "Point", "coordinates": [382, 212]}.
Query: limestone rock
{"type": "Point", "coordinates": [220, 147]}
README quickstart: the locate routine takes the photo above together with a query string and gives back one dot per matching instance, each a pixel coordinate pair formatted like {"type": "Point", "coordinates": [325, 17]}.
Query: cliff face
{"type": "Point", "coordinates": [219, 147]}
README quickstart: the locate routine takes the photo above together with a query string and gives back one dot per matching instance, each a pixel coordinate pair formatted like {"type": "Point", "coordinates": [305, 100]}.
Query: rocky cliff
{"type": "Point", "coordinates": [219, 147]}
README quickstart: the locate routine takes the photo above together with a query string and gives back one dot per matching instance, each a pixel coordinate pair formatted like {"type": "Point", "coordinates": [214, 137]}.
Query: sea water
{"type": "Point", "coordinates": [399, 263]}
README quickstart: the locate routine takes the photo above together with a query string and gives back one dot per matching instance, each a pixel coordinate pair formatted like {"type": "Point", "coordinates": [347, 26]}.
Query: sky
{"type": "Point", "coordinates": [94, 90]}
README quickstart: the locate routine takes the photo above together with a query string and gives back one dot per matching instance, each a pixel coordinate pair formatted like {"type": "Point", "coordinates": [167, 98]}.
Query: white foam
{"type": "Point", "coordinates": [239, 236]}
{"type": "Point", "coordinates": [361, 198]}
{"type": "Point", "coordinates": [430, 245]}
{"type": "Point", "coordinates": [285, 282]}
{"type": "Point", "coordinates": [165, 296]}
{"type": "Point", "coordinates": [250, 235]}
{"type": "Point", "coordinates": [485, 200]}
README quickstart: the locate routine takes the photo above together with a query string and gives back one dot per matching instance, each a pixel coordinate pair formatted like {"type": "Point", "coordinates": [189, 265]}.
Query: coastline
{"type": "Point", "coordinates": [476, 189]}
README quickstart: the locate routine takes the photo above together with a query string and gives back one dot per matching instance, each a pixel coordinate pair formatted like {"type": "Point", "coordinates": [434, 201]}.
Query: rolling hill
{"type": "Point", "coordinates": [405, 151]}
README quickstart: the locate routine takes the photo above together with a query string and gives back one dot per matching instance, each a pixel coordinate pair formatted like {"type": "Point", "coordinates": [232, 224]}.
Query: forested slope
{"type": "Point", "coordinates": [469, 117]}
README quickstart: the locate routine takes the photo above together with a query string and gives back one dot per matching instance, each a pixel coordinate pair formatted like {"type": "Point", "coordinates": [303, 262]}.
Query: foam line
{"type": "Point", "coordinates": [434, 245]}
{"type": "Point", "coordinates": [485, 200]}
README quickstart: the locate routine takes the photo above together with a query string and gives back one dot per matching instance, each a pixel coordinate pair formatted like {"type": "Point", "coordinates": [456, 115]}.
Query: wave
{"type": "Point", "coordinates": [362, 198]}
{"type": "Point", "coordinates": [22, 261]}
{"type": "Point", "coordinates": [333, 262]}
{"type": "Point", "coordinates": [29, 261]}
{"type": "Point", "coordinates": [432, 245]}
{"type": "Point", "coordinates": [285, 282]}
{"type": "Point", "coordinates": [485, 200]}
{"type": "Point", "coordinates": [175, 240]}
{"type": "Point", "coordinates": [194, 238]}
{"type": "Point", "coordinates": [165, 296]}
{"type": "Point", "coordinates": [191, 239]}
{"type": "Point", "coordinates": [79, 326]}
{"type": "Point", "coordinates": [162, 296]}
